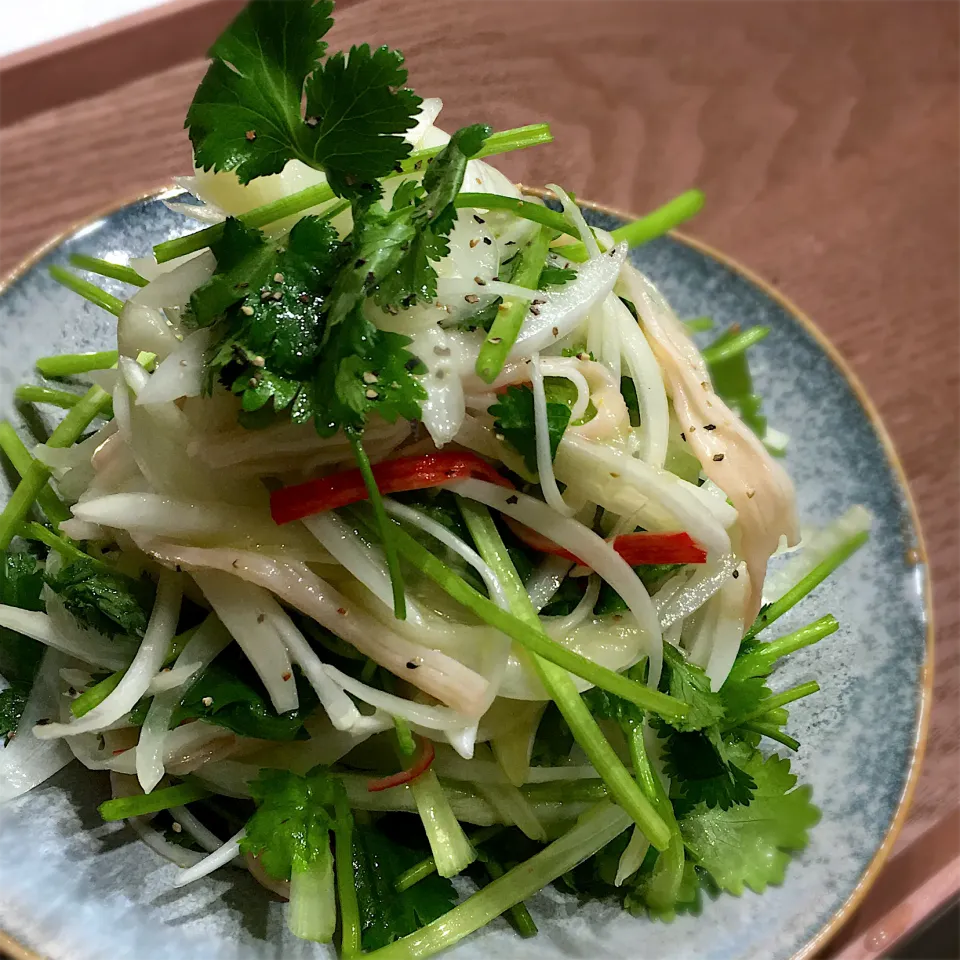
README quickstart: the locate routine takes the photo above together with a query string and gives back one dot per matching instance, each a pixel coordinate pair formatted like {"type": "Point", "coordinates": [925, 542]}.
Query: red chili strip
{"type": "Point", "coordinates": [636, 548]}
{"type": "Point", "coordinates": [420, 767]}
{"type": "Point", "coordinates": [392, 476]}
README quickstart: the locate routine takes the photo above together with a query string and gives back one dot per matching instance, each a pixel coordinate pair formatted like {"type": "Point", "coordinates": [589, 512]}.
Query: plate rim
{"type": "Point", "coordinates": [18, 951]}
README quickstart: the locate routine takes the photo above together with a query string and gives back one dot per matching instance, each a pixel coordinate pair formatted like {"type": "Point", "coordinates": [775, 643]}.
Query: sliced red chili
{"type": "Point", "coordinates": [636, 548]}
{"type": "Point", "coordinates": [392, 476]}
{"type": "Point", "coordinates": [420, 766]}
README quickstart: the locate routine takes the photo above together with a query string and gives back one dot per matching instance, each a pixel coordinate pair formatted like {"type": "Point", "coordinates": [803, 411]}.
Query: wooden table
{"type": "Point", "coordinates": [824, 134]}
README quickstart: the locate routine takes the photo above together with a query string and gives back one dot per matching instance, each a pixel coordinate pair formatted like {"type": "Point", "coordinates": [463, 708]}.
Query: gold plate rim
{"type": "Point", "coordinates": [17, 951]}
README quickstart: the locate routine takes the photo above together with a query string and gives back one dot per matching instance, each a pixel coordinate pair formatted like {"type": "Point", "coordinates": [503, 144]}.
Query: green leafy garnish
{"type": "Point", "coordinates": [230, 694]}
{"type": "Point", "coordinates": [109, 602]}
{"type": "Point", "coordinates": [750, 846]}
{"type": "Point", "coordinates": [515, 420]}
{"type": "Point", "coordinates": [386, 914]}
{"type": "Point", "coordinates": [12, 702]}
{"type": "Point", "coordinates": [651, 574]}
{"type": "Point", "coordinates": [687, 682]}
{"type": "Point", "coordinates": [552, 276]}
{"type": "Point", "coordinates": [21, 583]}
{"type": "Point", "coordinates": [246, 115]}
{"type": "Point", "coordinates": [701, 771]}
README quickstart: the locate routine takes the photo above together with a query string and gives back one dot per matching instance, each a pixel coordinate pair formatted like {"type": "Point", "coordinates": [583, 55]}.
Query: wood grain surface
{"type": "Point", "coordinates": [824, 134]}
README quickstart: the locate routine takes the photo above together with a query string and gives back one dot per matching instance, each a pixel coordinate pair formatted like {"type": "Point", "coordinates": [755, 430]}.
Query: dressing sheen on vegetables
{"type": "Point", "coordinates": [407, 535]}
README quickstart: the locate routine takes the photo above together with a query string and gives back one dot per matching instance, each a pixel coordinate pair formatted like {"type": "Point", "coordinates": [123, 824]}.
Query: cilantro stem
{"type": "Point", "coordinates": [504, 141]}
{"type": "Point", "coordinates": [405, 742]}
{"type": "Point", "coordinates": [593, 831]}
{"type": "Point", "coordinates": [506, 326]}
{"type": "Point", "coordinates": [312, 910]}
{"type": "Point", "coordinates": [34, 393]}
{"type": "Point", "coordinates": [535, 212]}
{"type": "Point", "coordinates": [716, 353]}
{"type": "Point", "coordinates": [449, 845]}
{"type": "Point", "coordinates": [68, 364]}
{"type": "Point", "coordinates": [533, 638]}
{"type": "Point", "coordinates": [779, 700]}
{"type": "Point", "coordinates": [20, 459]}
{"type": "Point", "coordinates": [813, 579]}
{"type": "Point", "coordinates": [699, 324]}
{"type": "Point", "coordinates": [428, 866]}
{"type": "Point", "coordinates": [346, 882]}
{"type": "Point", "coordinates": [66, 548]}
{"type": "Point", "coordinates": [122, 808]}
{"type": "Point", "coordinates": [383, 524]}
{"type": "Point", "coordinates": [769, 730]}
{"type": "Point", "coordinates": [33, 480]}
{"type": "Point", "coordinates": [518, 914]}
{"type": "Point", "coordinates": [759, 661]}
{"type": "Point", "coordinates": [559, 683]}
{"type": "Point", "coordinates": [653, 225]}
{"type": "Point", "coordinates": [116, 271]}
{"type": "Point", "coordinates": [89, 291]}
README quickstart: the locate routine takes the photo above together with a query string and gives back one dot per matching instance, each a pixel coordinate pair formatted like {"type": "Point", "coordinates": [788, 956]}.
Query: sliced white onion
{"type": "Point", "coordinates": [181, 373]}
{"type": "Point", "coordinates": [159, 844]}
{"type": "Point", "coordinates": [728, 631]}
{"type": "Point", "coordinates": [548, 482]}
{"type": "Point", "coordinates": [83, 644]}
{"type": "Point", "coordinates": [25, 761]}
{"type": "Point", "coordinates": [545, 581]}
{"type": "Point", "coordinates": [140, 327]}
{"type": "Point", "coordinates": [567, 367]}
{"type": "Point", "coordinates": [632, 857]}
{"type": "Point", "coordinates": [366, 562]}
{"type": "Point", "coordinates": [561, 626]}
{"type": "Point", "coordinates": [583, 543]}
{"type": "Point", "coordinates": [707, 580]}
{"type": "Point", "coordinates": [450, 287]}
{"type": "Point", "coordinates": [648, 381]}
{"type": "Point", "coordinates": [443, 411]}
{"type": "Point", "coordinates": [435, 673]}
{"type": "Point", "coordinates": [153, 648]}
{"type": "Point", "coordinates": [451, 540]}
{"type": "Point", "coordinates": [698, 635]}
{"type": "Point", "coordinates": [236, 605]}
{"type": "Point", "coordinates": [210, 639]}
{"type": "Point", "coordinates": [213, 861]}
{"type": "Point", "coordinates": [511, 804]}
{"type": "Point", "coordinates": [171, 290]}
{"type": "Point", "coordinates": [575, 216]}
{"type": "Point", "coordinates": [203, 835]}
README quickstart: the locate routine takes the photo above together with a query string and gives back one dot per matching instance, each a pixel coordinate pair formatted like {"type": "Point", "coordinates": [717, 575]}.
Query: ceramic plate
{"type": "Point", "coordinates": [74, 888]}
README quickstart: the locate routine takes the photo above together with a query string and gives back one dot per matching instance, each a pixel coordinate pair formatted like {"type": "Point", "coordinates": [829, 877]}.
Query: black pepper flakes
{"type": "Point", "coordinates": [479, 219]}
{"type": "Point", "coordinates": [487, 241]}
{"type": "Point", "coordinates": [709, 426]}
{"type": "Point", "coordinates": [472, 298]}
{"type": "Point", "coordinates": [736, 574]}
{"type": "Point", "coordinates": [717, 457]}
{"type": "Point", "coordinates": [512, 500]}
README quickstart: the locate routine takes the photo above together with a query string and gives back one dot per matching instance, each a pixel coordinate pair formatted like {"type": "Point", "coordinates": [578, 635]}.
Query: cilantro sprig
{"type": "Point", "coordinates": [247, 117]}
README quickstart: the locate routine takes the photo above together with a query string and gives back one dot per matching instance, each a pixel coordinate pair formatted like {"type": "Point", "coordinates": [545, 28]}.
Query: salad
{"type": "Point", "coordinates": [406, 535]}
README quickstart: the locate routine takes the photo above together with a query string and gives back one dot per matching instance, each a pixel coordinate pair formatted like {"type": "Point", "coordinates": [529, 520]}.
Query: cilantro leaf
{"type": "Point", "coordinates": [110, 602]}
{"type": "Point", "coordinates": [370, 372]}
{"type": "Point", "coordinates": [238, 701]}
{"type": "Point", "coordinates": [701, 772]}
{"type": "Point", "coordinates": [687, 682]}
{"type": "Point", "coordinates": [21, 583]}
{"type": "Point", "coordinates": [246, 114]}
{"type": "Point", "coordinates": [551, 276]}
{"type": "Point", "coordinates": [385, 914]}
{"type": "Point", "coordinates": [750, 846]}
{"type": "Point", "coordinates": [515, 422]}
{"type": "Point", "coordinates": [741, 697]}
{"type": "Point", "coordinates": [294, 817]}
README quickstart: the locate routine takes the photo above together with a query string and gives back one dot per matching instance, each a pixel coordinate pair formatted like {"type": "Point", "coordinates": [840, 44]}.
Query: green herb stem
{"type": "Point", "coordinates": [20, 459]}
{"type": "Point", "coordinates": [813, 579]}
{"type": "Point", "coordinates": [122, 808]}
{"type": "Point", "coordinates": [312, 911]}
{"type": "Point", "coordinates": [518, 914]}
{"type": "Point", "coordinates": [699, 324]}
{"type": "Point", "coordinates": [530, 637]}
{"type": "Point", "coordinates": [66, 548]}
{"type": "Point", "coordinates": [428, 866]}
{"type": "Point", "coordinates": [69, 364]}
{"type": "Point", "coordinates": [383, 525]}
{"type": "Point", "coordinates": [503, 142]}
{"type": "Point", "coordinates": [449, 845]}
{"type": "Point", "coordinates": [593, 831]}
{"type": "Point", "coordinates": [647, 228]}
{"type": "Point", "coordinates": [89, 291]}
{"type": "Point", "coordinates": [716, 353]}
{"type": "Point", "coordinates": [34, 393]}
{"type": "Point", "coordinates": [559, 683]}
{"type": "Point", "coordinates": [769, 730]}
{"type": "Point", "coordinates": [779, 700]}
{"type": "Point", "coordinates": [346, 882]}
{"type": "Point", "coordinates": [506, 326]}
{"type": "Point", "coordinates": [759, 661]}
{"type": "Point", "coordinates": [535, 212]}
{"type": "Point", "coordinates": [116, 271]}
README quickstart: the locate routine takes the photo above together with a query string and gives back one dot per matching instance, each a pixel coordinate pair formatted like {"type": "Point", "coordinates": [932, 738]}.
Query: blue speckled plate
{"type": "Point", "coordinates": [74, 888]}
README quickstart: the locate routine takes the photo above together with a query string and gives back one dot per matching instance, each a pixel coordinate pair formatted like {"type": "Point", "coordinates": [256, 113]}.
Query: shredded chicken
{"type": "Point", "coordinates": [729, 453]}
